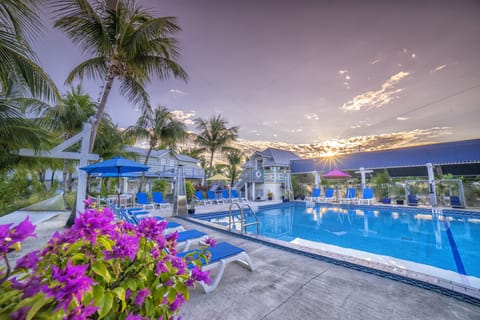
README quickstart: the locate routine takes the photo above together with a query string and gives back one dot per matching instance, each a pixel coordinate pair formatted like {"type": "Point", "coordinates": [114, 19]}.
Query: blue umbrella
{"type": "Point", "coordinates": [116, 165]}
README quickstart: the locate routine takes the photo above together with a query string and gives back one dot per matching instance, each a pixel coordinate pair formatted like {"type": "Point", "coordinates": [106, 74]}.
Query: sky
{"type": "Point", "coordinates": [310, 73]}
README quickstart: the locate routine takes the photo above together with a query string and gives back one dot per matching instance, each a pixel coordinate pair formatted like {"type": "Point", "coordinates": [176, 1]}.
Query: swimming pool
{"type": "Point", "coordinates": [448, 241]}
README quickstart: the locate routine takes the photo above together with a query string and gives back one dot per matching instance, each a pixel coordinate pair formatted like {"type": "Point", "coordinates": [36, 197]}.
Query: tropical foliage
{"type": "Point", "coordinates": [213, 136]}
{"type": "Point", "coordinates": [124, 42]}
{"type": "Point", "coordinates": [161, 130]}
{"type": "Point", "coordinates": [98, 269]}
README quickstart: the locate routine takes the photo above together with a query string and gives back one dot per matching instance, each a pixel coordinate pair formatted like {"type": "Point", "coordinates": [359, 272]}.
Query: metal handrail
{"type": "Point", "coordinates": [242, 217]}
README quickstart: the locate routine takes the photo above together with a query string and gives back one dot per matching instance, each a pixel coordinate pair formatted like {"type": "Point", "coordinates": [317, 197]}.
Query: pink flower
{"type": "Point", "coordinates": [177, 303]}
{"type": "Point", "coordinates": [211, 242]}
{"type": "Point", "coordinates": [199, 275]}
{"type": "Point", "coordinates": [141, 295]}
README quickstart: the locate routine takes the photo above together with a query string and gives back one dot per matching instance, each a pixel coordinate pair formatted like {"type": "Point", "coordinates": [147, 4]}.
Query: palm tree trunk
{"type": "Point", "coordinates": [52, 178]}
{"type": "Point", "coordinates": [211, 164]}
{"type": "Point", "coordinates": [65, 175]}
{"type": "Point", "coordinates": [101, 108]}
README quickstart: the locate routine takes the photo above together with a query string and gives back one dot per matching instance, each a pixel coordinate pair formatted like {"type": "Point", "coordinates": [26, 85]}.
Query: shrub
{"type": "Point", "coordinates": [97, 269]}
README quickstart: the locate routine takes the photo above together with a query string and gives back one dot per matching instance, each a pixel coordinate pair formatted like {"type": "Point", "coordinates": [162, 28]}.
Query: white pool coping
{"type": "Point", "coordinates": [445, 278]}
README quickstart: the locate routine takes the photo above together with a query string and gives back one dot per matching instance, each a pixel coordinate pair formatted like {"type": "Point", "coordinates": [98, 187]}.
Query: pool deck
{"type": "Point", "coordinates": [286, 285]}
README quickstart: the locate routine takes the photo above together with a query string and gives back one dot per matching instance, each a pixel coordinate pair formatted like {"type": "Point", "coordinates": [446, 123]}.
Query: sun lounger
{"type": "Point", "coordinates": [221, 255]}
{"type": "Point", "coordinates": [349, 196]}
{"type": "Point", "coordinates": [213, 197]}
{"type": "Point", "coordinates": [158, 200]}
{"type": "Point", "coordinates": [367, 197]}
{"type": "Point", "coordinates": [226, 197]}
{"type": "Point", "coordinates": [198, 195]}
{"type": "Point", "coordinates": [188, 237]}
{"type": "Point", "coordinates": [412, 200]}
{"type": "Point", "coordinates": [328, 195]}
{"type": "Point", "coordinates": [455, 202]}
{"type": "Point", "coordinates": [236, 196]}
{"type": "Point", "coordinates": [142, 200]}
{"type": "Point", "coordinates": [135, 215]}
{"type": "Point", "coordinates": [315, 195]}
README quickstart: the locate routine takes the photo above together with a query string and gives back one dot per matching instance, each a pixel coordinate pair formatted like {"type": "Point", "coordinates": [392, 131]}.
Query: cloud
{"type": "Point", "coordinates": [376, 99]}
{"type": "Point", "coordinates": [178, 92]}
{"type": "Point", "coordinates": [361, 124]}
{"type": "Point", "coordinates": [311, 116]}
{"type": "Point", "coordinates": [185, 117]}
{"type": "Point", "coordinates": [402, 118]}
{"type": "Point", "coordinates": [346, 77]}
{"type": "Point", "coordinates": [438, 68]}
{"type": "Point", "coordinates": [374, 61]}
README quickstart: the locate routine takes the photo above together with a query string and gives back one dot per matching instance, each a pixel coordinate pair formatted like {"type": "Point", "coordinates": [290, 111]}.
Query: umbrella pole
{"type": "Point", "coordinates": [118, 186]}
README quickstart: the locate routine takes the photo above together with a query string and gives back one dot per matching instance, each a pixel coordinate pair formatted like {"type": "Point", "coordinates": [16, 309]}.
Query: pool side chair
{"type": "Point", "coordinates": [237, 197]}
{"type": "Point", "coordinates": [138, 215]}
{"type": "Point", "coordinates": [213, 197]}
{"type": "Point", "coordinates": [226, 196]}
{"type": "Point", "coordinates": [329, 195]}
{"type": "Point", "coordinates": [221, 255]}
{"type": "Point", "coordinates": [198, 196]}
{"type": "Point", "coordinates": [188, 237]}
{"type": "Point", "coordinates": [367, 197]}
{"type": "Point", "coordinates": [350, 196]}
{"type": "Point", "coordinates": [142, 200]}
{"type": "Point", "coordinates": [158, 200]}
{"type": "Point", "coordinates": [315, 195]}
{"type": "Point", "coordinates": [412, 200]}
{"type": "Point", "coordinates": [455, 202]}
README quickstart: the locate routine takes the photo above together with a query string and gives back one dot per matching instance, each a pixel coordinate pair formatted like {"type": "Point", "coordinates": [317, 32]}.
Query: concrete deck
{"type": "Point", "coordinates": [290, 286]}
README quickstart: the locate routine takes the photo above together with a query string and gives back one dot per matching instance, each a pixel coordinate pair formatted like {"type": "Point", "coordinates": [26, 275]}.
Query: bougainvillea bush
{"type": "Point", "coordinates": [98, 269]}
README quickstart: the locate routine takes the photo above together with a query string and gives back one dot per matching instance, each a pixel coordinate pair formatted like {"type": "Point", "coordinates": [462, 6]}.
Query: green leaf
{"type": "Point", "coordinates": [100, 269]}
{"type": "Point", "coordinates": [106, 305]}
{"type": "Point", "coordinates": [78, 257]}
{"type": "Point", "coordinates": [149, 307]}
{"type": "Point", "coordinates": [98, 295]}
{"type": "Point", "coordinates": [120, 293]}
{"type": "Point", "coordinates": [40, 301]}
{"type": "Point", "coordinates": [7, 296]}
{"type": "Point", "coordinates": [131, 284]}
{"type": "Point", "coordinates": [74, 246]}
{"type": "Point", "coordinates": [105, 243]}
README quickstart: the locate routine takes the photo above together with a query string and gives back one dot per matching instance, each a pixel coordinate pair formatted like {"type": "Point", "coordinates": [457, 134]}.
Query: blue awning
{"type": "Point", "coordinates": [449, 155]}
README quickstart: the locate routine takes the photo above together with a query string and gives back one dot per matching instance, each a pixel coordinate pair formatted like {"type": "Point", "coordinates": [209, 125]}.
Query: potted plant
{"type": "Point", "coordinates": [191, 207]}
{"type": "Point", "coordinates": [270, 195]}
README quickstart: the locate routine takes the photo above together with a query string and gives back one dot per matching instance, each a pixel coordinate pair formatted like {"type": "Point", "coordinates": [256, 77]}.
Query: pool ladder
{"type": "Point", "coordinates": [243, 220]}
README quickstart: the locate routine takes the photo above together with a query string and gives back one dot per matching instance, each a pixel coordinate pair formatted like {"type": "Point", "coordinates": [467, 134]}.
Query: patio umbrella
{"type": "Point", "coordinates": [116, 165]}
{"type": "Point", "coordinates": [336, 174]}
{"type": "Point", "coordinates": [218, 177]}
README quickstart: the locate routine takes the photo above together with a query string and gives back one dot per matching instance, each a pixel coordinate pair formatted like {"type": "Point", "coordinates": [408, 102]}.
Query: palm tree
{"type": "Point", "coordinates": [16, 130]}
{"type": "Point", "coordinates": [214, 136]}
{"type": "Point", "coordinates": [18, 24]}
{"type": "Point", "coordinates": [160, 130]}
{"type": "Point", "coordinates": [68, 116]}
{"type": "Point", "coordinates": [126, 43]}
{"type": "Point", "coordinates": [234, 158]}
{"type": "Point", "coordinates": [21, 80]}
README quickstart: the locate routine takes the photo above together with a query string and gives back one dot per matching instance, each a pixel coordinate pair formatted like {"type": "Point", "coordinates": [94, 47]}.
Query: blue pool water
{"type": "Point", "coordinates": [449, 241]}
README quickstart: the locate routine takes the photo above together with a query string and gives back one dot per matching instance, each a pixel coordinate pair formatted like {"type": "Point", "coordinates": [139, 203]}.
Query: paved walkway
{"type": "Point", "coordinates": [290, 286]}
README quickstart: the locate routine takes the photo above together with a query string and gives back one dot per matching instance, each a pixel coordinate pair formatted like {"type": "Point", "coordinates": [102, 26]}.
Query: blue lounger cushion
{"type": "Point", "coordinates": [220, 255]}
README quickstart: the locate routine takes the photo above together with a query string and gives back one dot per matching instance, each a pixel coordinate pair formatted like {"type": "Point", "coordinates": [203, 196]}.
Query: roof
{"type": "Point", "coordinates": [273, 157]}
{"type": "Point", "coordinates": [446, 154]}
{"type": "Point", "coordinates": [161, 153]}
